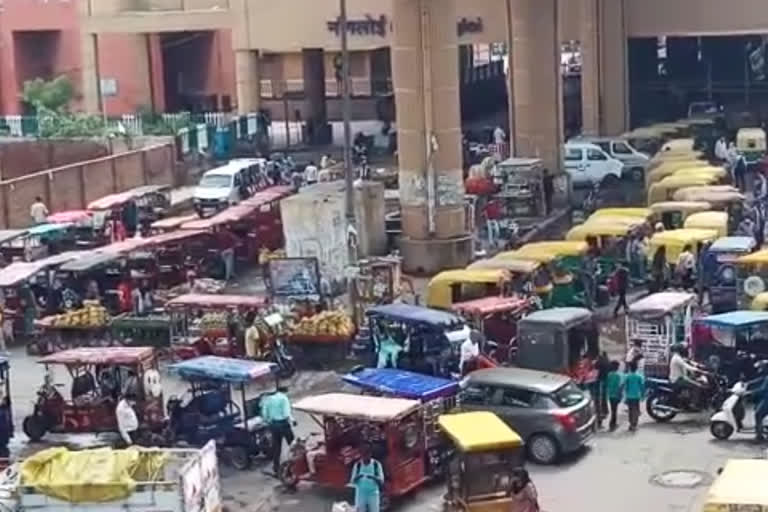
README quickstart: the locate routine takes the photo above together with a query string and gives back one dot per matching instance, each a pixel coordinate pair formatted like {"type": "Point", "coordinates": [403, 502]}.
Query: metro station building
{"type": "Point", "coordinates": [285, 46]}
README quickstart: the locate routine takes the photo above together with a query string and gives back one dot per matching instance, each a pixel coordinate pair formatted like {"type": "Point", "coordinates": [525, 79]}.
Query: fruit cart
{"type": "Point", "coordinates": [84, 327]}
{"type": "Point", "coordinates": [207, 324]}
{"type": "Point", "coordinates": [323, 337]}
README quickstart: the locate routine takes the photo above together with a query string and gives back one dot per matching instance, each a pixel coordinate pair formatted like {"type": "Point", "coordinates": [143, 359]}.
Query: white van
{"type": "Point", "coordinates": [587, 164]}
{"type": "Point", "coordinates": [222, 187]}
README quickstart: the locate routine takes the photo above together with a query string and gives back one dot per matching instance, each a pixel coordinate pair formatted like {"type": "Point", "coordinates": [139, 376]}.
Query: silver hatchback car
{"type": "Point", "coordinates": [549, 411]}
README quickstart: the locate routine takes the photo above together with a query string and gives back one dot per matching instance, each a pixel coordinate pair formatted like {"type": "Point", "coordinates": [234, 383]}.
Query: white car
{"type": "Point", "coordinates": [587, 164]}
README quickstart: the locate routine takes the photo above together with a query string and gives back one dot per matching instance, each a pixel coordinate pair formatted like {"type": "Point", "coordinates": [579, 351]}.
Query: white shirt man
{"type": "Point", "coordinates": [127, 422]}
{"type": "Point", "coordinates": [686, 261]}
{"type": "Point", "coordinates": [38, 211]}
{"type": "Point", "coordinates": [469, 350]}
{"type": "Point", "coordinates": [678, 368]}
{"type": "Point", "coordinates": [721, 149]}
{"type": "Point", "coordinates": [499, 136]}
{"type": "Point", "coordinates": [310, 174]}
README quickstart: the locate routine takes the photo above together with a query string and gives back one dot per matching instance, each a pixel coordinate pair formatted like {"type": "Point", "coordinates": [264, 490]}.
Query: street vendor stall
{"type": "Point", "coordinates": [521, 187]}
{"type": "Point", "coordinates": [212, 324]}
{"type": "Point", "coordinates": [660, 321]}
{"type": "Point", "coordinates": [136, 209]}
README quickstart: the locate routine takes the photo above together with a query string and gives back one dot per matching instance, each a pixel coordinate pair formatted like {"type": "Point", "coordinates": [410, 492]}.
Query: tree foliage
{"type": "Point", "coordinates": [54, 95]}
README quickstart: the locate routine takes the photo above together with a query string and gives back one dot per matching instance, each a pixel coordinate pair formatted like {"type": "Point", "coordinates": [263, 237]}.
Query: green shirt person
{"type": "Point", "coordinates": [277, 414]}
{"type": "Point", "coordinates": [613, 391]}
{"type": "Point", "coordinates": [367, 478]}
{"type": "Point", "coordinates": [634, 389]}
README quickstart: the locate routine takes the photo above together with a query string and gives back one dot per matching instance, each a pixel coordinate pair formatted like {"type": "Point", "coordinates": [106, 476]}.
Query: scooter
{"type": "Point", "coordinates": [730, 418]}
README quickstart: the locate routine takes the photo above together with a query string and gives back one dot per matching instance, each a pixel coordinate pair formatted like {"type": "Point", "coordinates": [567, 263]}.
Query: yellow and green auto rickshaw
{"type": "Point", "coordinates": [665, 189]}
{"type": "Point", "coordinates": [452, 286]}
{"type": "Point", "coordinates": [678, 145]}
{"type": "Point", "coordinates": [568, 254]}
{"type": "Point", "coordinates": [740, 486]}
{"type": "Point", "coordinates": [663, 168]}
{"type": "Point", "coordinates": [701, 169]}
{"type": "Point", "coordinates": [524, 275]}
{"type": "Point", "coordinates": [760, 302]}
{"type": "Point", "coordinates": [672, 214]}
{"type": "Point", "coordinates": [708, 220]}
{"type": "Point", "coordinates": [676, 240]}
{"type": "Point", "coordinates": [751, 143]}
{"type": "Point", "coordinates": [639, 213]}
{"type": "Point", "coordinates": [752, 279]}
{"type": "Point", "coordinates": [481, 468]}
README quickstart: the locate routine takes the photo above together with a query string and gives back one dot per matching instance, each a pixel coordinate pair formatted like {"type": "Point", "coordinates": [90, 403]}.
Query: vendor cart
{"type": "Point", "coordinates": [130, 330]}
{"type": "Point", "coordinates": [83, 327]}
{"type": "Point", "coordinates": [211, 324]}
{"type": "Point", "coordinates": [521, 187]}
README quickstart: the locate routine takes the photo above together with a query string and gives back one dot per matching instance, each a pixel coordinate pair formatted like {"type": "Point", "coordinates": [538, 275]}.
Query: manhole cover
{"type": "Point", "coordinates": [681, 478]}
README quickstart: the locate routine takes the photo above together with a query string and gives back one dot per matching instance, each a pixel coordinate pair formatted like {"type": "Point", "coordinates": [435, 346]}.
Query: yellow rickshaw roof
{"type": "Point", "coordinates": [678, 180]}
{"type": "Point", "coordinates": [755, 257]}
{"type": "Point", "coordinates": [706, 219]}
{"type": "Point", "coordinates": [595, 228]}
{"type": "Point", "coordinates": [683, 236]}
{"type": "Point", "coordinates": [479, 431]}
{"type": "Point", "coordinates": [684, 206]}
{"type": "Point", "coordinates": [742, 482]}
{"type": "Point", "coordinates": [517, 266]}
{"type": "Point", "coordinates": [678, 145]}
{"type": "Point", "coordinates": [709, 193]}
{"type": "Point", "coordinates": [643, 133]}
{"type": "Point", "coordinates": [750, 132]}
{"type": "Point", "coordinates": [701, 169]}
{"type": "Point", "coordinates": [469, 276]}
{"type": "Point", "coordinates": [545, 252]}
{"type": "Point", "coordinates": [641, 213]}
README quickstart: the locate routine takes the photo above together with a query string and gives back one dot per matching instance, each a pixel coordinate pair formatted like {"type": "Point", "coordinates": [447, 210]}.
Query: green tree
{"type": "Point", "coordinates": [54, 95]}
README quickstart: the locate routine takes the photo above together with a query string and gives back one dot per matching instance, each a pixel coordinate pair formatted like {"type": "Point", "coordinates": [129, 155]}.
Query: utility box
{"type": "Point", "coordinates": [315, 225]}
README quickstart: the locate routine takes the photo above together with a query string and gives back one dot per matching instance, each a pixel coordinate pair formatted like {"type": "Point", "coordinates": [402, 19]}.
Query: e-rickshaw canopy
{"type": "Point", "coordinates": [225, 369]}
{"type": "Point", "coordinates": [111, 201]}
{"type": "Point", "coordinates": [675, 241]}
{"type": "Point", "coordinates": [659, 304]}
{"type": "Point", "coordinates": [439, 292]}
{"type": "Point", "coordinates": [737, 244]}
{"type": "Point", "coordinates": [565, 317]}
{"type": "Point", "coordinates": [416, 314]}
{"type": "Point", "coordinates": [170, 223]}
{"type": "Point", "coordinates": [708, 220]}
{"type": "Point", "coordinates": [19, 271]}
{"type": "Point", "coordinates": [100, 355]}
{"type": "Point", "coordinates": [736, 319]}
{"type": "Point", "coordinates": [8, 235]}
{"type": "Point", "coordinates": [70, 217]}
{"type": "Point", "coordinates": [740, 486]}
{"type": "Point", "coordinates": [358, 407]}
{"type": "Point", "coordinates": [90, 260]}
{"type": "Point", "coordinates": [479, 431]}
{"type": "Point", "coordinates": [402, 383]}
{"type": "Point", "coordinates": [514, 266]}
{"type": "Point", "coordinates": [490, 305]}
{"type": "Point", "coordinates": [198, 300]}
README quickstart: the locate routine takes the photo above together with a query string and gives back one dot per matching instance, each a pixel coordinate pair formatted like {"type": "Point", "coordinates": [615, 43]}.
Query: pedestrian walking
{"type": "Point", "coordinates": [549, 190]}
{"type": "Point", "coordinates": [636, 355]}
{"type": "Point", "coordinates": [277, 414]}
{"type": "Point", "coordinates": [367, 479]}
{"type": "Point", "coordinates": [622, 283]}
{"type": "Point", "coordinates": [686, 267]}
{"type": "Point", "coordinates": [613, 390]}
{"type": "Point", "coordinates": [38, 211]}
{"type": "Point", "coordinates": [634, 390]}
{"type": "Point", "coordinates": [600, 396]}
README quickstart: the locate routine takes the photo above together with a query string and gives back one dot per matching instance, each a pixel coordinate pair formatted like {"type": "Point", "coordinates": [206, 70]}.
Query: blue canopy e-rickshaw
{"type": "Point", "coordinates": [437, 395]}
{"type": "Point", "coordinates": [413, 337]}
{"type": "Point", "coordinates": [722, 341]}
{"type": "Point", "coordinates": [721, 273]}
{"type": "Point", "coordinates": [208, 410]}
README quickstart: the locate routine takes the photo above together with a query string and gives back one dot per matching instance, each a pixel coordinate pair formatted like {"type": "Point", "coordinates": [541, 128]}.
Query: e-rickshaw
{"type": "Point", "coordinates": [739, 487]}
{"type": "Point", "coordinates": [559, 340]}
{"type": "Point", "coordinates": [36, 242]}
{"type": "Point", "coordinates": [7, 237]}
{"type": "Point", "coordinates": [700, 169]}
{"type": "Point", "coordinates": [415, 338]}
{"type": "Point", "coordinates": [142, 205]}
{"type": "Point", "coordinates": [567, 254]}
{"type": "Point", "coordinates": [717, 221]}
{"type": "Point", "coordinates": [729, 340]}
{"type": "Point", "coordinates": [722, 283]}
{"type": "Point", "coordinates": [480, 476]}
{"type": "Point", "coordinates": [672, 214]}
{"type": "Point", "coordinates": [496, 318]}
{"type": "Point", "coordinates": [107, 268]}
{"type": "Point", "coordinates": [85, 234]}
{"type": "Point", "coordinates": [170, 223]}
{"type": "Point", "coordinates": [665, 189]}
{"type": "Point", "coordinates": [751, 143]}
{"type": "Point", "coordinates": [676, 240]}
{"type": "Point", "coordinates": [205, 324]}
{"type": "Point", "coordinates": [660, 321]}
{"type": "Point", "coordinates": [393, 427]}
{"type": "Point", "coordinates": [209, 410]}
{"type": "Point", "coordinates": [609, 236]}
{"type": "Point", "coordinates": [647, 140]}
{"type": "Point", "coordinates": [437, 395]}
{"type": "Point", "coordinates": [99, 376]}
{"type": "Point", "coordinates": [166, 258]}
{"type": "Point", "coordinates": [452, 286]}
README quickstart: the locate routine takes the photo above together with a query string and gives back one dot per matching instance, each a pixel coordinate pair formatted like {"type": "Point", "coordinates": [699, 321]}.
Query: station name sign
{"type": "Point", "coordinates": [380, 26]}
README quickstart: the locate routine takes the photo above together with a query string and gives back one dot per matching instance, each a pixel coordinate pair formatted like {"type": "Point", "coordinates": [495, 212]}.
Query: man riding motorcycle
{"type": "Point", "coordinates": [689, 380]}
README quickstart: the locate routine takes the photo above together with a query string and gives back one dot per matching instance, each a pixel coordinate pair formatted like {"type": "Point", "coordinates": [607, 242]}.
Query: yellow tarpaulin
{"type": "Point", "coordinates": [100, 475]}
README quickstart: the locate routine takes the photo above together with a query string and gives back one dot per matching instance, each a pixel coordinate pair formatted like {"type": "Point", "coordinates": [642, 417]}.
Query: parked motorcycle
{"type": "Point", "coordinates": [666, 400]}
{"type": "Point", "coordinates": [730, 418]}
{"type": "Point", "coordinates": [286, 367]}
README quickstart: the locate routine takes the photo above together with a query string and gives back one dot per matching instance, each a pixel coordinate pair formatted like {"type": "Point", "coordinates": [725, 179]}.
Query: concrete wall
{"type": "Point", "coordinates": [22, 157]}
{"type": "Point", "coordinates": [73, 186]}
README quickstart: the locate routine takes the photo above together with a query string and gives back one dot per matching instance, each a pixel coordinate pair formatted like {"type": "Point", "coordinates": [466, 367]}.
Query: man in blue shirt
{"type": "Point", "coordinates": [368, 480]}
{"type": "Point", "coordinates": [276, 413]}
{"type": "Point", "coordinates": [761, 408]}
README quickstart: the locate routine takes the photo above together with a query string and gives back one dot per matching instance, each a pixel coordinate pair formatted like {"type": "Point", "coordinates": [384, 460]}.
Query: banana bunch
{"type": "Point", "coordinates": [265, 255]}
{"type": "Point", "coordinates": [213, 321]}
{"type": "Point", "coordinates": [328, 323]}
{"type": "Point", "coordinates": [91, 315]}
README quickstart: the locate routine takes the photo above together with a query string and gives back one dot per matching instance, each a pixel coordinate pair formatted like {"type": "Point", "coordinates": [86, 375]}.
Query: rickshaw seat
{"type": "Point", "coordinates": [210, 403]}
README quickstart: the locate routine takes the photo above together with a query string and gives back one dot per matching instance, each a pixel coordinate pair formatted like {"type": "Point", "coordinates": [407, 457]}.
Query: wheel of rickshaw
{"type": "Point", "coordinates": [287, 475]}
{"type": "Point", "coordinates": [239, 457]}
{"type": "Point", "coordinates": [34, 427]}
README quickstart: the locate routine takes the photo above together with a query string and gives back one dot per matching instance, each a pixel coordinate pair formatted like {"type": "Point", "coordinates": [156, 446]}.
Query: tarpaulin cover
{"type": "Point", "coordinates": [94, 476]}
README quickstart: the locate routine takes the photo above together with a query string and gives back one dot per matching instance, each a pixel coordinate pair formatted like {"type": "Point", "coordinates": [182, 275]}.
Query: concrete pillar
{"type": "Point", "coordinates": [425, 71]}
{"type": "Point", "coordinates": [536, 87]}
{"type": "Point", "coordinates": [318, 129]}
{"type": "Point", "coordinates": [614, 86]}
{"type": "Point", "coordinates": [590, 67]}
{"type": "Point", "coordinates": [91, 86]}
{"type": "Point", "coordinates": [247, 81]}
